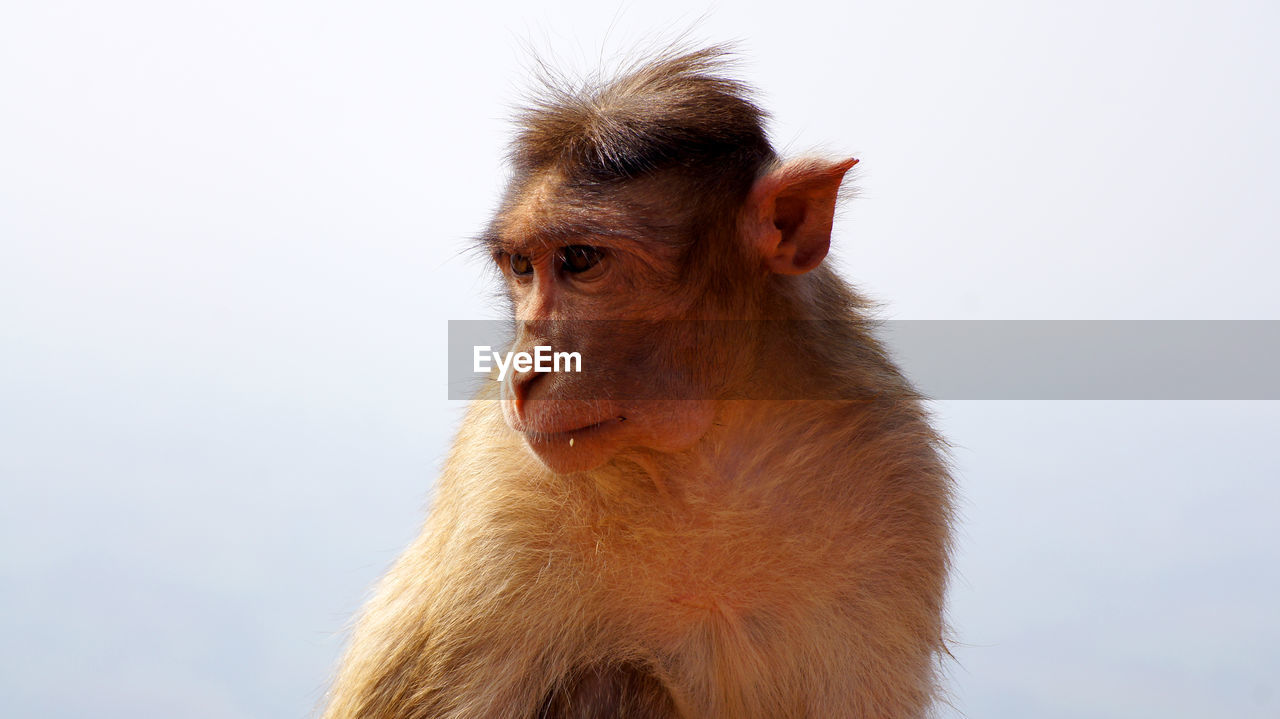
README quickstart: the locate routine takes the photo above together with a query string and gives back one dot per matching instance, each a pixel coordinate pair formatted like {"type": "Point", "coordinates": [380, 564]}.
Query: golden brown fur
{"type": "Point", "coordinates": [787, 560]}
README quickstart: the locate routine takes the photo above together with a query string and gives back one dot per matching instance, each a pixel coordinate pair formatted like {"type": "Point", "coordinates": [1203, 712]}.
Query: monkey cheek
{"type": "Point", "coordinates": [677, 425]}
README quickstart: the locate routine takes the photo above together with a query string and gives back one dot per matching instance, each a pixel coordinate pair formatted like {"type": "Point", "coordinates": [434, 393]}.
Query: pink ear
{"type": "Point", "coordinates": [790, 211]}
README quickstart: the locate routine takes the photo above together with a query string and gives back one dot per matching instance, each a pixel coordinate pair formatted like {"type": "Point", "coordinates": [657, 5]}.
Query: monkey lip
{"type": "Point", "coordinates": [537, 436]}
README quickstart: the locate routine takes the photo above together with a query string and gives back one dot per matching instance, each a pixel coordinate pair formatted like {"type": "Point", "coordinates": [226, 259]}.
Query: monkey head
{"type": "Point", "coordinates": [619, 274]}
{"type": "Point", "coordinates": [642, 225]}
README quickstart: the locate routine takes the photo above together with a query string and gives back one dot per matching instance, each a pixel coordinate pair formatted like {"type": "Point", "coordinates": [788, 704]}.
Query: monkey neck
{"type": "Point", "coordinates": [817, 295]}
{"type": "Point", "coordinates": [756, 449]}
{"type": "Point", "coordinates": [774, 398]}
{"type": "Point", "coordinates": [816, 311]}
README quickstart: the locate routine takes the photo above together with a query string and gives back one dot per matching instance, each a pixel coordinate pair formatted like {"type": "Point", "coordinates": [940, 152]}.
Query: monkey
{"type": "Point", "coordinates": [745, 513]}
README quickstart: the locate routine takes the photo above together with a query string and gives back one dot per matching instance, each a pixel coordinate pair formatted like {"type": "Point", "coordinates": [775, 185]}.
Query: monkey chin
{"type": "Point", "coordinates": [578, 450]}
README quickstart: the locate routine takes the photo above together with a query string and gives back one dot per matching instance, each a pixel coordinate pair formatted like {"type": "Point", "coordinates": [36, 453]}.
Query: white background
{"type": "Point", "coordinates": [231, 234]}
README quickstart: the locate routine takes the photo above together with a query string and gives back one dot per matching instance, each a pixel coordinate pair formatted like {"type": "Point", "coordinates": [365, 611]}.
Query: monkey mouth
{"type": "Point", "coordinates": [535, 436]}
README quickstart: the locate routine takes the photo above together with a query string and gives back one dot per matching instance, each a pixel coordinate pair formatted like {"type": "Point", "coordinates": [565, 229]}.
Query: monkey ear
{"type": "Point", "coordinates": [790, 210]}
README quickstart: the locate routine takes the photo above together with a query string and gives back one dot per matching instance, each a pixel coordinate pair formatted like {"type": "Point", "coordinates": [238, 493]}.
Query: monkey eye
{"type": "Point", "coordinates": [580, 258]}
{"type": "Point", "coordinates": [520, 265]}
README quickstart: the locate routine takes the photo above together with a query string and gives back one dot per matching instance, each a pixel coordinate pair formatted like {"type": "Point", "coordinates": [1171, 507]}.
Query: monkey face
{"type": "Point", "coordinates": [597, 274]}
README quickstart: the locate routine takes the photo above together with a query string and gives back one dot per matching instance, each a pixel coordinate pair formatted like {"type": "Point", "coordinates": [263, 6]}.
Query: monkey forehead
{"type": "Point", "coordinates": [540, 206]}
{"type": "Point", "coordinates": [549, 209]}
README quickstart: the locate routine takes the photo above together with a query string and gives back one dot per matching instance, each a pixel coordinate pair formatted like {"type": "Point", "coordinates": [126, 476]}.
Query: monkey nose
{"type": "Point", "coordinates": [522, 386]}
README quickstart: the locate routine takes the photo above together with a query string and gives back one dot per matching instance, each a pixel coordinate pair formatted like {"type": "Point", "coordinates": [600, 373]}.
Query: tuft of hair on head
{"type": "Point", "coordinates": [678, 111]}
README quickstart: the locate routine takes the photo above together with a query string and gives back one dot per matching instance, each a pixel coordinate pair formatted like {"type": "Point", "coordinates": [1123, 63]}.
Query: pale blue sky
{"type": "Point", "coordinates": [231, 235]}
